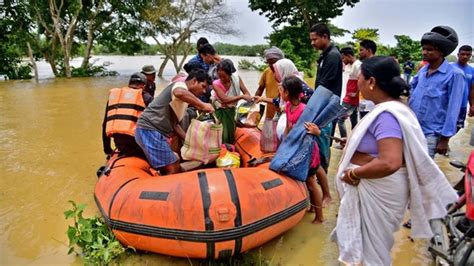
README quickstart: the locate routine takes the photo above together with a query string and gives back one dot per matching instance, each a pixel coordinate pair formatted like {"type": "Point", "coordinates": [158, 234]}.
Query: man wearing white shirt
{"type": "Point", "coordinates": [351, 99]}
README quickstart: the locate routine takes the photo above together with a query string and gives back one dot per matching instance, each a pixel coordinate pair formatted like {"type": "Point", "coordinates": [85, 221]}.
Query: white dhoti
{"type": "Point", "coordinates": [381, 204]}
{"type": "Point", "coordinates": [370, 213]}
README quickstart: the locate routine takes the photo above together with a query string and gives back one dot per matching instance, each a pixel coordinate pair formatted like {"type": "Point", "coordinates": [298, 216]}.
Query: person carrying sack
{"type": "Point", "coordinates": [162, 117]}
{"type": "Point", "coordinates": [225, 95]}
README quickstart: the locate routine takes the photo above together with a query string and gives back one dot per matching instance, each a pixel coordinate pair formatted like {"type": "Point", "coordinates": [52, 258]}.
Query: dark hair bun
{"type": "Point", "coordinates": [396, 86]}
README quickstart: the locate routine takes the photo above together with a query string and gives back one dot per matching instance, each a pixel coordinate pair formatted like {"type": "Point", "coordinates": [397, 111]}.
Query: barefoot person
{"type": "Point", "coordinates": [283, 69]}
{"type": "Point", "coordinates": [161, 118]}
{"type": "Point", "coordinates": [385, 166]}
{"type": "Point", "coordinates": [290, 92]}
{"type": "Point", "coordinates": [292, 87]}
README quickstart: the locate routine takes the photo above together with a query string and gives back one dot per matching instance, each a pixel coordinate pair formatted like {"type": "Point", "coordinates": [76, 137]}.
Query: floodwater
{"type": "Point", "coordinates": [51, 147]}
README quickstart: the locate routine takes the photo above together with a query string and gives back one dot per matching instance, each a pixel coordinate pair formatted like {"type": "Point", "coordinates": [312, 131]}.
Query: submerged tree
{"type": "Point", "coordinates": [65, 16]}
{"type": "Point", "coordinates": [112, 23]}
{"type": "Point", "coordinates": [97, 13]}
{"type": "Point", "coordinates": [54, 28]}
{"type": "Point", "coordinates": [172, 23]}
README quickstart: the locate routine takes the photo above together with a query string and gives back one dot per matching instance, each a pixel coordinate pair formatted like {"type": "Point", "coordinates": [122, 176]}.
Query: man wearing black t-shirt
{"type": "Point", "coordinates": [329, 72]}
{"type": "Point", "coordinates": [329, 75]}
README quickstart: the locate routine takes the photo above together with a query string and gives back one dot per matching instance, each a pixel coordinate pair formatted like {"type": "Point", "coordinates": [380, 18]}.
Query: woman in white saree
{"type": "Point", "coordinates": [385, 168]}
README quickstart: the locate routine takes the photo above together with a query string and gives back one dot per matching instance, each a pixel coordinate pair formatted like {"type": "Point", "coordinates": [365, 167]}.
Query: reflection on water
{"type": "Point", "coordinates": [51, 147]}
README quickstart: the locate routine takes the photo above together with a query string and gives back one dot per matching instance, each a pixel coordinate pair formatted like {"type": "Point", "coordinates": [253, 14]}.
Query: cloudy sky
{"type": "Point", "coordinates": [391, 17]}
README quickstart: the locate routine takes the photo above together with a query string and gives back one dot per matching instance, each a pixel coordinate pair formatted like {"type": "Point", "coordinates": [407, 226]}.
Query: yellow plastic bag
{"type": "Point", "coordinates": [228, 159]}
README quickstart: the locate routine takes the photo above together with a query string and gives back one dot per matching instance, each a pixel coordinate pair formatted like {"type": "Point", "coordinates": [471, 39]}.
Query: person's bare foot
{"type": "Point", "coordinates": [326, 201]}
{"type": "Point", "coordinates": [317, 221]}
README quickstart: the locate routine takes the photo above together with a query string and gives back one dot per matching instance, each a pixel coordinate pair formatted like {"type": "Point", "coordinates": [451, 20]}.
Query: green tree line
{"type": "Point", "coordinates": [57, 31]}
{"type": "Point", "coordinates": [154, 49]}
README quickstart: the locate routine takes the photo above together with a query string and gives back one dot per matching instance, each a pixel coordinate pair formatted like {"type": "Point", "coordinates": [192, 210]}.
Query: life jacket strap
{"type": "Point", "coordinates": [125, 106]}
{"type": "Point", "coordinates": [122, 117]}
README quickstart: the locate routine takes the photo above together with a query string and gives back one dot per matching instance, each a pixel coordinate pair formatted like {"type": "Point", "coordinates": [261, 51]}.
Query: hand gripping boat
{"type": "Point", "coordinates": [207, 213]}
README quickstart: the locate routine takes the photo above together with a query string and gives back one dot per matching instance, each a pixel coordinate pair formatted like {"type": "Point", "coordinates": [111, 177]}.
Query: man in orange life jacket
{"type": "Point", "coordinates": [124, 107]}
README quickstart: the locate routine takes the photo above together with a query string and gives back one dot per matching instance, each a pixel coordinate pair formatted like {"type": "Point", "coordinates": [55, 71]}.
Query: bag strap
{"type": "Point", "coordinates": [216, 120]}
{"type": "Point", "coordinates": [213, 115]}
{"type": "Point", "coordinates": [254, 161]}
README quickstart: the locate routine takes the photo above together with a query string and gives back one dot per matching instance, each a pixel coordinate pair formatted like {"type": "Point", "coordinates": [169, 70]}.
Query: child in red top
{"type": "Point", "coordinates": [290, 91]}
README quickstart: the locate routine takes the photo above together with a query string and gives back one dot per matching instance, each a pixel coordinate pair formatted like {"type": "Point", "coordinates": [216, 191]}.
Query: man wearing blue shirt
{"type": "Point", "coordinates": [464, 55]}
{"type": "Point", "coordinates": [437, 90]}
{"type": "Point", "coordinates": [205, 57]}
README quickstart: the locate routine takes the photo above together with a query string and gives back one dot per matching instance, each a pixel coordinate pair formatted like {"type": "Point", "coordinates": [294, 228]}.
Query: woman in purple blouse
{"type": "Point", "coordinates": [385, 166]}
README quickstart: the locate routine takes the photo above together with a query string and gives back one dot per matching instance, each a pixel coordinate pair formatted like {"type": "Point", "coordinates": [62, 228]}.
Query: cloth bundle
{"type": "Point", "coordinates": [293, 157]}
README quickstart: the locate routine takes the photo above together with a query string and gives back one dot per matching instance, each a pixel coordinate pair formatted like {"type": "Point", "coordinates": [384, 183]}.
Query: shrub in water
{"type": "Point", "coordinates": [92, 236]}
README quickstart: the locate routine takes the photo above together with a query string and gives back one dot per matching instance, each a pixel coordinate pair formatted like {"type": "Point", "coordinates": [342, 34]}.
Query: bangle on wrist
{"type": "Point", "coordinates": [353, 175]}
{"type": "Point", "coordinates": [350, 178]}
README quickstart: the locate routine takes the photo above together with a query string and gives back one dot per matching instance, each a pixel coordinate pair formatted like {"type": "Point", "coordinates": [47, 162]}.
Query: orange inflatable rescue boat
{"type": "Point", "coordinates": [207, 213]}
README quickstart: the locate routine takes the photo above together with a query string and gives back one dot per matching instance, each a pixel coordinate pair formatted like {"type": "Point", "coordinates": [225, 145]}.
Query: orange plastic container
{"type": "Point", "coordinates": [208, 213]}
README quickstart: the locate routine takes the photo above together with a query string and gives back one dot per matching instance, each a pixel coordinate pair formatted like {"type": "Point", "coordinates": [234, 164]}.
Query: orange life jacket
{"type": "Point", "coordinates": [124, 107]}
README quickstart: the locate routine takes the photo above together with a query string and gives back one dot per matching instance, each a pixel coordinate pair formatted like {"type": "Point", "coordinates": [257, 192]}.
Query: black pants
{"type": "Point", "coordinates": [127, 146]}
{"type": "Point", "coordinates": [362, 114]}
{"type": "Point", "coordinates": [354, 118]}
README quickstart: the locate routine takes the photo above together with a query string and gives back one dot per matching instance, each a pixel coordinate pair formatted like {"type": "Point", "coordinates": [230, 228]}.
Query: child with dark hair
{"type": "Point", "coordinates": [290, 92]}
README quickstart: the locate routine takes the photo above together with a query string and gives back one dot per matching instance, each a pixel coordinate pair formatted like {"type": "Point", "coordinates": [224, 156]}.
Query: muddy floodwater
{"type": "Point", "coordinates": [50, 149]}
